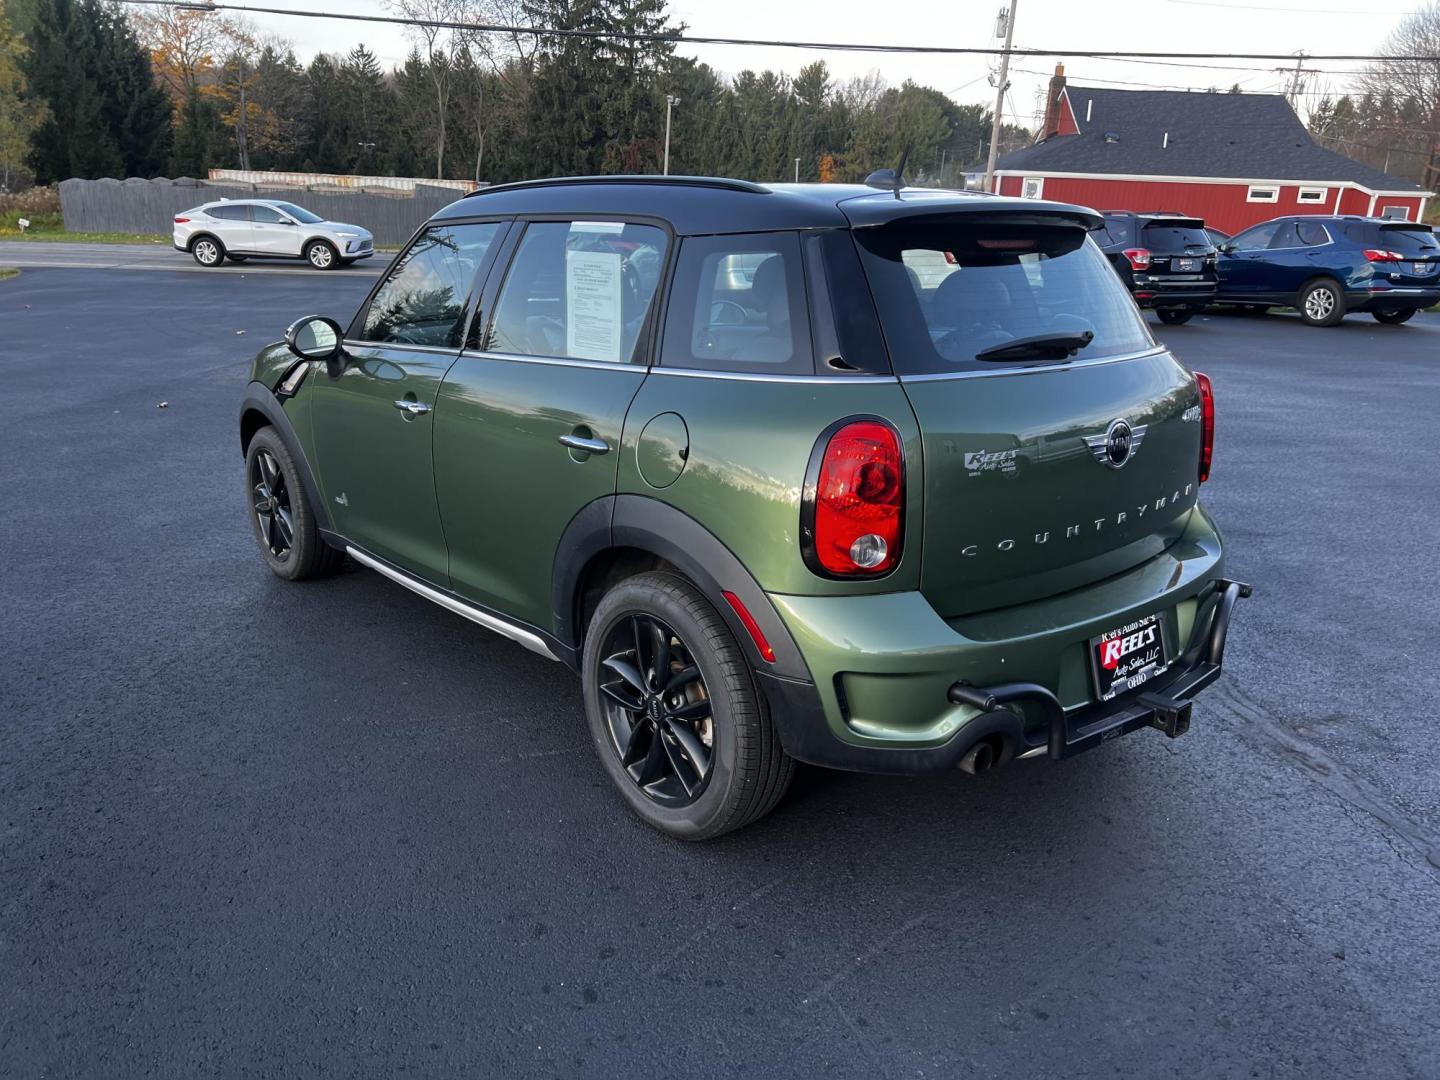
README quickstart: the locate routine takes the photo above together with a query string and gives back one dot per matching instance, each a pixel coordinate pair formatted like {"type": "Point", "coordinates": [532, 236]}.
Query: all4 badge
{"type": "Point", "coordinates": [983, 461]}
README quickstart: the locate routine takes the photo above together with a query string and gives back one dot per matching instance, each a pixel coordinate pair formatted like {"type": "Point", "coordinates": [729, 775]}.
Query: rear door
{"type": "Point", "coordinates": [1179, 248]}
{"type": "Point", "coordinates": [374, 422]}
{"type": "Point", "coordinates": [232, 226]}
{"type": "Point", "coordinates": [529, 420]}
{"type": "Point", "coordinates": [1041, 473]}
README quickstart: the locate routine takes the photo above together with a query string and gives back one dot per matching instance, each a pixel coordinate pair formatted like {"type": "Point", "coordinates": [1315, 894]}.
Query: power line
{"type": "Point", "coordinates": [692, 39]}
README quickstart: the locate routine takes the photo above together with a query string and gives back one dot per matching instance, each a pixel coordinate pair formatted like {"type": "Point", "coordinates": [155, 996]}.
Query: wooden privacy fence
{"type": "Point", "coordinates": [148, 207]}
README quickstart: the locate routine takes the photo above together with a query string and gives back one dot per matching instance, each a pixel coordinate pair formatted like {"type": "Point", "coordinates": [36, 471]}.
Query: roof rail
{"type": "Point", "coordinates": [636, 178]}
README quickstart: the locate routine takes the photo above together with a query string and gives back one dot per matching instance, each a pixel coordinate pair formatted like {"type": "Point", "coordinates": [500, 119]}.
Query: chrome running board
{"type": "Point", "coordinates": [518, 634]}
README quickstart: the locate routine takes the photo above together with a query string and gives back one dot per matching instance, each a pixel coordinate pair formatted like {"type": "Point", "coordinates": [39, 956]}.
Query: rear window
{"type": "Point", "coordinates": [1165, 238]}
{"type": "Point", "coordinates": [1413, 241]}
{"type": "Point", "coordinates": [946, 292]}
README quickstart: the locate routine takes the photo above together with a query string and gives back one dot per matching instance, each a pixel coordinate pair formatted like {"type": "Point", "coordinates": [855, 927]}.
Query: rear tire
{"type": "Point", "coordinates": [1321, 303]}
{"type": "Point", "coordinates": [654, 631]}
{"type": "Point", "coordinates": [207, 251]}
{"type": "Point", "coordinates": [1174, 316]}
{"type": "Point", "coordinates": [321, 254]}
{"type": "Point", "coordinates": [1394, 318]}
{"type": "Point", "coordinates": [281, 515]}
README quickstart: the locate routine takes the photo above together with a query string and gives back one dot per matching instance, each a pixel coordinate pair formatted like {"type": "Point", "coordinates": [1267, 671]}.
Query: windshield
{"type": "Point", "coordinates": [947, 292]}
{"type": "Point", "coordinates": [299, 213]}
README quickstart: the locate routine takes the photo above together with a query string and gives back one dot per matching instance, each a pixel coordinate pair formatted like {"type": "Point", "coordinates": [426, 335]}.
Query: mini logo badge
{"type": "Point", "coordinates": [1119, 443]}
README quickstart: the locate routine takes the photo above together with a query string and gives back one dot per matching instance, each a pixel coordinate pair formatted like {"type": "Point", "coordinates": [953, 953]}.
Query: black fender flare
{"type": "Point", "coordinates": [635, 521]}
{"type": "Point", "coordinates": [259, 398]}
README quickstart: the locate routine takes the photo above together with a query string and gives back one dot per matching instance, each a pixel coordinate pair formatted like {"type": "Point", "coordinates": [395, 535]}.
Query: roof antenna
{"type": "Point", "coordinates": [890, 179]}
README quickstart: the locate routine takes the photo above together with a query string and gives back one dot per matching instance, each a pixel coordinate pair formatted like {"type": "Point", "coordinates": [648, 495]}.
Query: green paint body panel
{"type": "Point", "coordinates": [750, 444]}
{"type": "Point", "coordinates": [883, 663]}
{"type": "Point", "coordinates": [1038, 515]}
{"type": "Point", "coordinates": [507, 487]}
{"type": "Point", "coordinates": [373, 460]}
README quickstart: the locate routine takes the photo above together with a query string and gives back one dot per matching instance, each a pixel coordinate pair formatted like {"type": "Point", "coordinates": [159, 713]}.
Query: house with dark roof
{"type": "Point", "coordinates": [1233, 159]}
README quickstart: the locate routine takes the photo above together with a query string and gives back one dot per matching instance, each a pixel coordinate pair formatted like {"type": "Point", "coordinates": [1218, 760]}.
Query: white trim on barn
{"type": "Point", "coordinates": [1312, 196]}
{"type": "Point", "coordinates": [1343, 184]}
{"type": "Point", "coordinates": [1266, 193]}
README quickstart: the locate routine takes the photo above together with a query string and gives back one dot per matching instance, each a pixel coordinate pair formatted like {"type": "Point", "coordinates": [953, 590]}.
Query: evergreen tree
{"type": "Point", "coordinates": [200, 136]}
{"type": "Point", "coordinates": [107, 115]}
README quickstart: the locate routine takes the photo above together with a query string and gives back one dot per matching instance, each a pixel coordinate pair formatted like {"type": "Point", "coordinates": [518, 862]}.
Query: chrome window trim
{"type": "Point", "coordinates": [553, 361]}
{"type": "Point", "coordinates": [753, 376]}
{"type": "Point", "coordinates": [445, 350]}
{"type": "Point", "coordinates": [941, 376]}
{"type": "Point", "coordinates": [500, 626]}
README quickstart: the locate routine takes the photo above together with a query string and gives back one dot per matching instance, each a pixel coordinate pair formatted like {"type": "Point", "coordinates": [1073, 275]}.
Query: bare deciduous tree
{"type": "Point", "coordinates": [1412, 87]}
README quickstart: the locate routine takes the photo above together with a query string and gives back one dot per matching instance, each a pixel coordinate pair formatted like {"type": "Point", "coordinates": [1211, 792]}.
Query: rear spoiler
{"type": "Point", "coordinates": [867, 211]}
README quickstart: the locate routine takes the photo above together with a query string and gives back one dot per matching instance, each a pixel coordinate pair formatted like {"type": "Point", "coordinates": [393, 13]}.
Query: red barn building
{"type": "Point", "coordinates": [1232, 159]}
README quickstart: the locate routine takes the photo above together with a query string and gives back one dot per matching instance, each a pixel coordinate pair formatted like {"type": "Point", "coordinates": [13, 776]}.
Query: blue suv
{"type": "Point", "coordinates": [1328, 266]}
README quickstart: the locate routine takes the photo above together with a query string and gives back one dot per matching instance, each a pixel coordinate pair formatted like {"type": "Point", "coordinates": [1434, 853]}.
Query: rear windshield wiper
{"type": "Point", "coordinates": [1049, 346]}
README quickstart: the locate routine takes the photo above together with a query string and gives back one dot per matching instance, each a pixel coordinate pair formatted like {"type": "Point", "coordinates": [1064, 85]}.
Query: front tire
{"type": "Point", "coordinates": [1321, 303]}
{"type": "Point", "coordinates": [208, 252]}
{"type": "Point", "coordinates": [1174, 316]}
{"type": "Point", "coordinates": [281, 515]}
{"type": "Point", "coordinates": [321, 254]}
{"type": "Point", "coordinates": [674, 712]}
{"type": "Point", "coordinates": [1394, 318]}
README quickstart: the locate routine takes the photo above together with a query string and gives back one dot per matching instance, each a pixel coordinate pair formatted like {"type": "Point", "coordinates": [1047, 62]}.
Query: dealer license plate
{"type": "Point", "coordinates": [1129, 656]}
{"type": "Point", "coordinates": [1187, 265]}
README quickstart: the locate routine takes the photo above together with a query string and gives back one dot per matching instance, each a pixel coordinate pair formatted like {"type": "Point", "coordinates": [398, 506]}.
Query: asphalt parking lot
{"type": "Point", "coordinates": [252, 828]}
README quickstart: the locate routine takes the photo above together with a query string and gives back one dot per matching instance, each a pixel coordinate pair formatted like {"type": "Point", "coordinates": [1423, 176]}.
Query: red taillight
{"type": "Point", "coordinates": [855, 501]}
{"type": "Point", "coordinates": [1207, 424]}
{"type": "Point", "coordinates": [1139, 258]}
{"type": "Point", "coordinates": [1381, 255]}
{"type": "Point", "coordinates": [181, 220]}
{"type": "Point", "coordinates": [751, 626]}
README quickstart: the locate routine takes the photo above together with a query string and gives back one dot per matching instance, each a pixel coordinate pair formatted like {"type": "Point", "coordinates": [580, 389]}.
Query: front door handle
{"type": "Point", "coordinates": [589, 446]}
{"type": "Point", "coordinates": [414, 408]}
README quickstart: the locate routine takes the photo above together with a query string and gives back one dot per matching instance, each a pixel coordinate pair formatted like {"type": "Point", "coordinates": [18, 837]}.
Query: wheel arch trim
{"type": "Point", "coordinates": [259, 398]}
{"type": "Point", "coordinates": [645, 524]}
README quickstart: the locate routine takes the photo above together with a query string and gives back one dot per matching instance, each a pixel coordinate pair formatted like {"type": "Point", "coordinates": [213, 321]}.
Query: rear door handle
{"type": "Point", "coordinates": [414, 408]}
{"type": "Point", "coordinates": [589, 446]}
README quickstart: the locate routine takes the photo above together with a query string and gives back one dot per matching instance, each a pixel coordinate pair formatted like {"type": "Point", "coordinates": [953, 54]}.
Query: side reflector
{"type": "Point", "coordinates": [751, 626]}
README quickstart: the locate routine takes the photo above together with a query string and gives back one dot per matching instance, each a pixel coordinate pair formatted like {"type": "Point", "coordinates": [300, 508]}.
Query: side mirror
{"type": "Point", "coordinates": [1225, 248]}
{"type": "Point", "coordinates": [317, 338]}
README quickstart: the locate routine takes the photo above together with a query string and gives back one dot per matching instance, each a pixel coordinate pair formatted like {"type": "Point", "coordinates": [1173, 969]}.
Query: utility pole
{"type": "Point", "coordinates": [670, 102]}
{"type": "Point", "coordinates": [797, 170]}
{"type": "Point", "coordinates": [1007, 17]}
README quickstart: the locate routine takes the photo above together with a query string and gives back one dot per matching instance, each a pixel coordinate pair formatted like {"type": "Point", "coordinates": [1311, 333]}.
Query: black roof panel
{"type": "Point", "coordinates": [698, 206]}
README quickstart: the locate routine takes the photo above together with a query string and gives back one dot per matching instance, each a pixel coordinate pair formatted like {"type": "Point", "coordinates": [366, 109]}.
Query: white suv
{"type": "Point", "coordinates": [236, 229]}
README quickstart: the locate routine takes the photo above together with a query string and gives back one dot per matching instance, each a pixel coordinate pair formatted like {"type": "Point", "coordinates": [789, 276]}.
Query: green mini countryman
{"type": "Point", "coordinates": [869, 477]}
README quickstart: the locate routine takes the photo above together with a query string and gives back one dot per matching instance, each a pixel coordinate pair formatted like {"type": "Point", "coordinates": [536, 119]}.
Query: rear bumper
{"type": "Point", "coordinates": [1152, 292]}
{"type": "Point", "coordinates": [897, 692]}
{"type": "Point", "coordinates": [1391, 298]}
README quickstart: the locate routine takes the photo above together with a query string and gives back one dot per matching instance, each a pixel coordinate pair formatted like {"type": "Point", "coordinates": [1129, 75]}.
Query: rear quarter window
{"type": "Point", "coordinates": [947, 291]}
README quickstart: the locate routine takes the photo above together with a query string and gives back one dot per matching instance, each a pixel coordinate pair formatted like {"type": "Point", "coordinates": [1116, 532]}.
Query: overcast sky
{"type": "Point", "coordinates": [1325, 26]}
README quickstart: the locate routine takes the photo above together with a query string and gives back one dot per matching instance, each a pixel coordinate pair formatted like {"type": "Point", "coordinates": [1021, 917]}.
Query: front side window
{"type": "Point", "coordinates": [956, 296]}
{"type": "Point", "coordinates": [423, 299]}
{"type": "Point", "coordinates": [266, 215]}
{"type": "Point", "coordinates": [739, 305]}
{"type": "Point", "coordinates": [1257, 238]}
{"type": "Point", "coordinates": [579, 290]}
{"type": "Point", "coordinates": [299, 213]}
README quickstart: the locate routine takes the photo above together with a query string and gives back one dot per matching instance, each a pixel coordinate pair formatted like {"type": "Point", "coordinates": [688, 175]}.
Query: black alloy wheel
{"type": "Point", "coordinates": [657, 709]}
{"type": "Point", "coordinates": [272, 504]}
